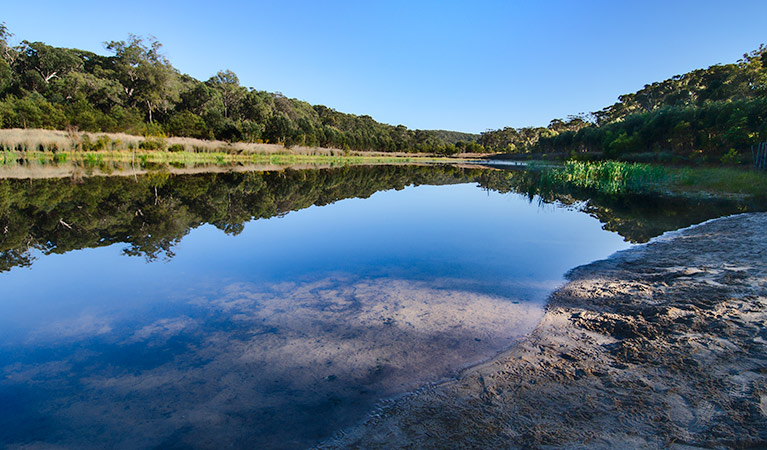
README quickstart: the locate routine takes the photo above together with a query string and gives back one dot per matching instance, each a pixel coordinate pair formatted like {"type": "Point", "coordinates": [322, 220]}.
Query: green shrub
{"type": "Point", "coordinates": [152, 143]}
{"type": "Point", "coordinates": [86, 144]}
{"type": "Point", "coordinates": [731, 157]}
{"type": "Point", "coordinates": [102, 143]}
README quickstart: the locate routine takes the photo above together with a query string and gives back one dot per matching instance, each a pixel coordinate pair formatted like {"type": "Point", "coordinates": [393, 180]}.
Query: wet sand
{"type": "Point", "coordinates": [660, 346]}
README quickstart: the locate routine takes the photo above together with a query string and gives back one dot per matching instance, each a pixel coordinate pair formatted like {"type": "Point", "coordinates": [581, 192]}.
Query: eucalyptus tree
{"type": "Point", "coordinates": [148, 79]}
{"type": "Point", "coordinates": [196, 97]}
{"type": "Point", "coordinates": [754, 66]}
{"type": "Point", "coordinates": [257, 106]}
{"type": "Point", "coordinates": [227, 85]}
{"type": "Point", "coordinates": [102, 93]}
{"type": "Point", "coordinates": [4, 36]}
{"type": "Point", "coordinates": [42, 63]}
{"type": "Point", "coordinates": [7, 55]}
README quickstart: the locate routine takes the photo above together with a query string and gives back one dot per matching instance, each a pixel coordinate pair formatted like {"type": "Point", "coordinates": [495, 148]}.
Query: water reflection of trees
{"type": "Point", "coordinates": [150, 214]}
{"type": "Point", "coordinates": [636, 217]}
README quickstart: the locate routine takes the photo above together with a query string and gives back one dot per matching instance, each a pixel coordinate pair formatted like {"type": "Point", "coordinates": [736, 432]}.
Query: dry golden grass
{"type": "Point", "coordinates": [28, 140]}
{"type": "Point", "coordinates": [28, 151]}
{"type": "Point", "coordinates": [42, 140]}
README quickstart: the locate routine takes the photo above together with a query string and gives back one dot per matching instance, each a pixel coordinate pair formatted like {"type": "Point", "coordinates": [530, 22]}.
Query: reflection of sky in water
{"type": "Point", "coordinates": [281, 335]}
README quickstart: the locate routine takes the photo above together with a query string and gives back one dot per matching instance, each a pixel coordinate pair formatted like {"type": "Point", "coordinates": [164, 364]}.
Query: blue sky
{"type": "Point", "coordinates": [465, 66]}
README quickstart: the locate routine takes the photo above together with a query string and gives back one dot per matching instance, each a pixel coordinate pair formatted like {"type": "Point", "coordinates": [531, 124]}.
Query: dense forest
{"type": "Point", "coordinates": [712, 114]}
{"type": "Point", "coordinates": [136, 90]}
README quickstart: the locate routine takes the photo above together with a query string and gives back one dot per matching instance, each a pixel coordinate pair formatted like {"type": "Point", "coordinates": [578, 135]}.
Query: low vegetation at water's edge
{"type": "Point", "coordinates": [50, 147]}
{"type": "Point", "coordinates": [622, 177]}
{"type": "Point", "coordinates": [606, 176]}
{"type": "Point", "coordinates": [142, 157]}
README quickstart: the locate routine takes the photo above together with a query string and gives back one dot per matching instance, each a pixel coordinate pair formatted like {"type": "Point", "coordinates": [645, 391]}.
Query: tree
{"type": "Point", "coordinates": [278, 128]}
{"type": "Point", "coordinates": [196, 98]}
{"type": "Point", "coordinates": [103, 93]}
{"type": "Point", "coordinates": [7, 56]}
{"type": "Point", "coordinates": [6, 51]}
{"type": "Point", "coordinates": [48, 62]}
{"type": "Point", "coordinates": [146, 75]}
{"type": "Point", "coordinates": [6, 76]}
{"type": "Point", "coordinates": [256, 106]}
{"type": "Point", "coordinates": [755, 70]}
{"type": "Point", "coordinates": [228, 86]}
{"type": "Point", "coordinates": [187, 124]}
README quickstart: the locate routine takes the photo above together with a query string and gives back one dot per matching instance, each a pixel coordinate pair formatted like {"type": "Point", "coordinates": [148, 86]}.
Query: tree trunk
{"type": "Point", "coordinates": [47, 77]}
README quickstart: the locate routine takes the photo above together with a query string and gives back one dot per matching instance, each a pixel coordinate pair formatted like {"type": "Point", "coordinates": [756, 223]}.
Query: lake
{"type": "Point", "coordinates": [272, 309]}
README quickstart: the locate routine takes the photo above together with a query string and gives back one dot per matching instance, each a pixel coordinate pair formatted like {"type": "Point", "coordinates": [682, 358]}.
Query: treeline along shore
{"type": "Point", "coordinates": [136, 90]}
{"type": "Point", "coordinates": [712, 115]}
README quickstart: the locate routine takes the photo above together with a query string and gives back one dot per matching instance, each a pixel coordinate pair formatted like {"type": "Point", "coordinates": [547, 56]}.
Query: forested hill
{"type": "Point", "coordinates": [707, 114]}
{"type": "Point", "coordinates": [136, 90]}
{"type": "Point", "coordinates": [454, 137]}
{"type": "Point", "coordinates": [744, 80]}
{"type": "Point", "coordinates": [712, 114]}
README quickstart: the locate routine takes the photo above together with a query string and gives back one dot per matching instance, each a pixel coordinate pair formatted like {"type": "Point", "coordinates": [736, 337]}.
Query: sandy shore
{"type": "Point", "coordinates": [660, 346]}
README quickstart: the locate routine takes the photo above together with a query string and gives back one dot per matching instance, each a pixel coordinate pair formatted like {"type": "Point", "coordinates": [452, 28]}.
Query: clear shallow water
{"type": "Point", "coordinates": [281, 335]}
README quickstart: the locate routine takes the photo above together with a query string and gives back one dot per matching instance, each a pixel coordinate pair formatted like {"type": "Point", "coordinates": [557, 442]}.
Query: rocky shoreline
{"type": "Point", "coordinates": [660, 346]}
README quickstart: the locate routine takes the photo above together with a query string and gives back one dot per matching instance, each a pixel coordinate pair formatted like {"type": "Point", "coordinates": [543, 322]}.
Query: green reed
{"type": "Point", "coordinates": [606, 176]}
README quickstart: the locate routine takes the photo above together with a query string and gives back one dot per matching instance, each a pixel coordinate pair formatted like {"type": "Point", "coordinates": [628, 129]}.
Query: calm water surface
{"type": "Point", "coordinates": [282, 332]}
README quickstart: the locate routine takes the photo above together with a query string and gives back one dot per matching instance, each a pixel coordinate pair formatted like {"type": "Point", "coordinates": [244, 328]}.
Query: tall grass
{"type": "Point", "coordinates": [38, 140]}
{"type": "Point", "coordinates": [46, 164]}
{"type": "Point", "coordinates": [30, 140]}
{"type": "Point", "coordinates": [48, 147]}
{"type": "Point", "coordinates": [606, 176]}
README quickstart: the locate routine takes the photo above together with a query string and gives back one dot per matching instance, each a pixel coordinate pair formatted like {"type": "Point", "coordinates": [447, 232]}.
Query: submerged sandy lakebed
{"type": "Point", "coordinates": [660, 346]}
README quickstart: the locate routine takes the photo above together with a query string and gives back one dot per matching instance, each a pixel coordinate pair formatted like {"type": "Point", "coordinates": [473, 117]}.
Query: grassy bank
{"type": "Point", "coordinates": [720, 179]}
{"type": "Point", "coordinates": [54, 141]}
{"type": "Point", "coordinates": [51, 147]}
{"type": "Point", "coordinates": [14, 158]}
{"type": "Point", "coordinates": [621, 177]}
